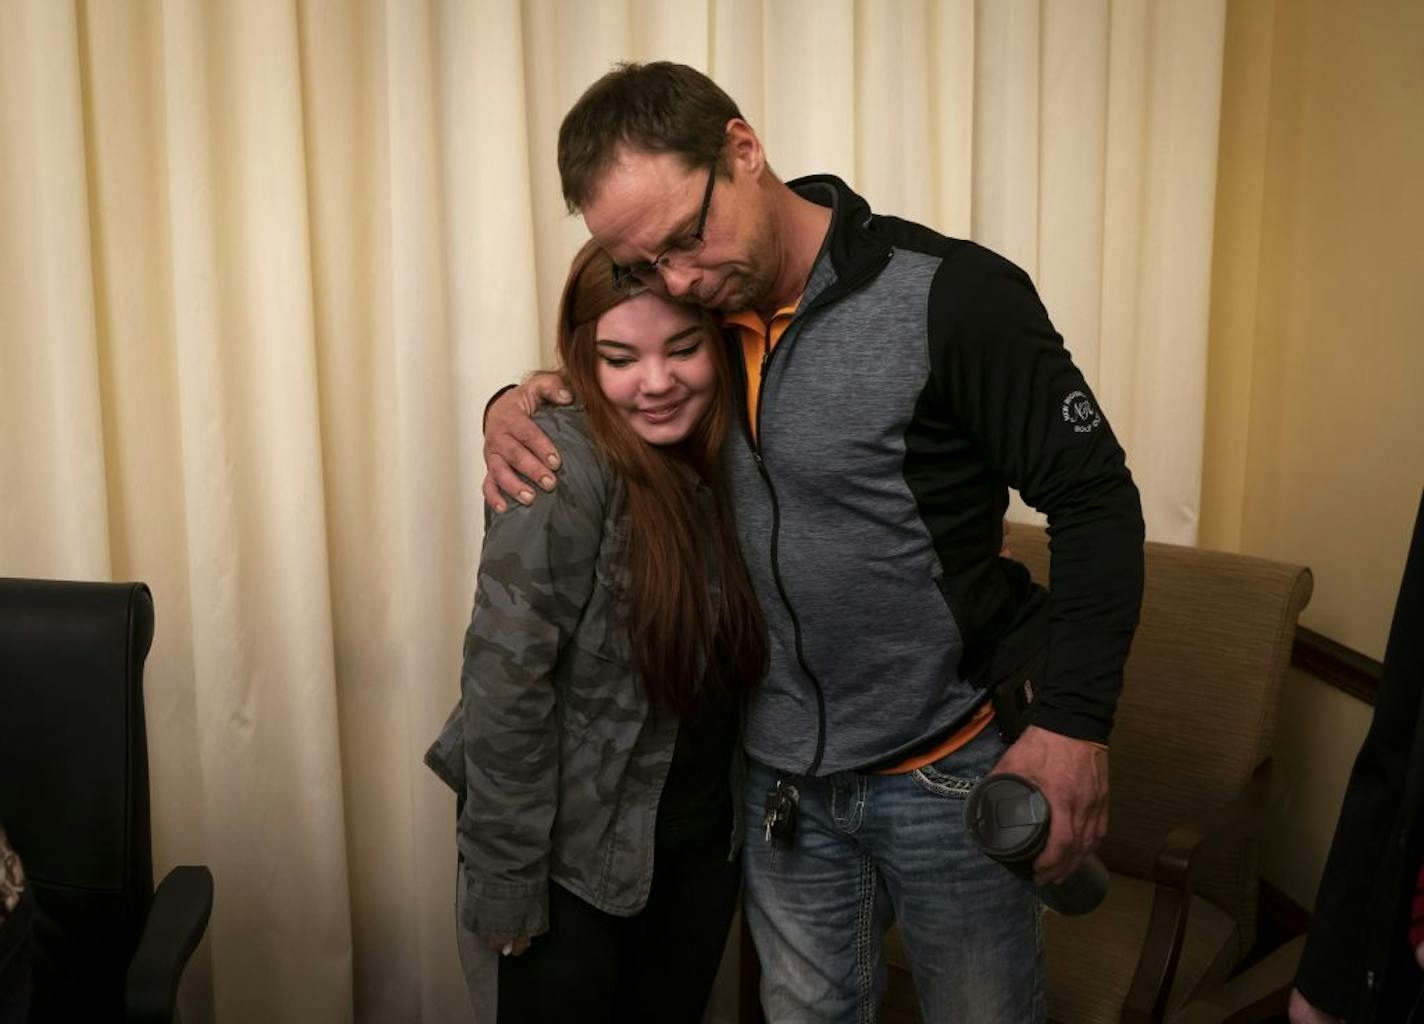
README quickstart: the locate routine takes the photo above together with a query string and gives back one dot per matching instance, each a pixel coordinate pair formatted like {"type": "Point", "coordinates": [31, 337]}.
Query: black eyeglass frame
{"type": "Point", "coordinates": [640, 275]}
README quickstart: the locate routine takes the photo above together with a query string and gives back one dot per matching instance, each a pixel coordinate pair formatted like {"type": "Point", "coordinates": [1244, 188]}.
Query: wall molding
{"type": "Point", "coordinates": [1332, 662]}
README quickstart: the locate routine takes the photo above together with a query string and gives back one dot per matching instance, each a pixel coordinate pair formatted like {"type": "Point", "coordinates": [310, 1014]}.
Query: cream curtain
{"type": "Point", "coordinates": [262, 261]}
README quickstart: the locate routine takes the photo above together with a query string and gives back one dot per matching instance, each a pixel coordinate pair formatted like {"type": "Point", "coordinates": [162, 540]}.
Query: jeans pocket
{"type": "Point", "coordinates": [955, 774]}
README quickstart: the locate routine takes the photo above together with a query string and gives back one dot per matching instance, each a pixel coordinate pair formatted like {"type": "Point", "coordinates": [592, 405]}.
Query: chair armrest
{"type": "Point", "coordinates": [177, 918]}
{"type": "Point", "coordinates": [1244, 818]}
{"type": "Point", "coordinates": [1257, 994]}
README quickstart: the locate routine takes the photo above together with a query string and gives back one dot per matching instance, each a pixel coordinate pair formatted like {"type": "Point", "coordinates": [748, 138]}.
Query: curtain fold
{"type": "Point", "coordinates": [51, 393]}
{"type": "Point", "coordinates": [263, 261]}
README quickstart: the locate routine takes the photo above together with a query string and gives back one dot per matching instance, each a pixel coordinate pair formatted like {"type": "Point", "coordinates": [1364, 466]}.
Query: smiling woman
{"type": "Point", "coordinates": [655, 367]}
{"type": "Point", "coordinates": [596, 743]}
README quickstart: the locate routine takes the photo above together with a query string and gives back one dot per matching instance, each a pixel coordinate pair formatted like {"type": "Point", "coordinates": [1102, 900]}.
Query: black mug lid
{"type": "Point", "coordinates": [1008, 817]}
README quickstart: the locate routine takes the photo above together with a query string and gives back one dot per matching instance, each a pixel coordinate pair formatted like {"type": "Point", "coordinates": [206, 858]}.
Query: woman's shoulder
{"type": "Point", "coordinates": [566, 419]}
{"type": "Point", "coordinates": [568, 427]}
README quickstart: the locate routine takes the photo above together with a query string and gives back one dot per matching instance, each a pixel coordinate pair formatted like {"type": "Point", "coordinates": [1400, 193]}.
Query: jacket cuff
{"type": "Point", "coordinates": [506, 914]}
{"type": "Point", "coordinates": [1074, 726]}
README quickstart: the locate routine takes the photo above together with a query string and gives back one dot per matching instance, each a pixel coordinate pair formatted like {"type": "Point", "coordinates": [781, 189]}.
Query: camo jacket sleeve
{"type": "Point", "coordinates": [536, 576]}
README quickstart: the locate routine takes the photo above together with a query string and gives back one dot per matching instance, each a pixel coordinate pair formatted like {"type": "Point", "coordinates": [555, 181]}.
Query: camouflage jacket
{"type": "Point", "coordinates": [555, 755]}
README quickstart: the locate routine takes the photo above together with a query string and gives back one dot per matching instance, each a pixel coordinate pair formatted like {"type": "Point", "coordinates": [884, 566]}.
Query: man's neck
{"type": "Point", "coordinates": [800, 228]}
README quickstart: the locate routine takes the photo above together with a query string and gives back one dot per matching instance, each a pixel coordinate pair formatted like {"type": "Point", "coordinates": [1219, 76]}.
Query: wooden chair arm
{"type": "Point", "coordinates": [1258, 994]}
{"type": "Point", "coordinates": [1244, 818]}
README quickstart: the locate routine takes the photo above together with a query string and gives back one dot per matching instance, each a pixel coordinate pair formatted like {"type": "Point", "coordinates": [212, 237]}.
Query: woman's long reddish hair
{"type": "Point", "coordinates": [677, 632]}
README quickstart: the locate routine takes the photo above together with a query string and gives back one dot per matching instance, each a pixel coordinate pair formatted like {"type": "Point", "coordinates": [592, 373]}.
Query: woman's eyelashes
{"type": "Point", "coordinates": [684, 351]}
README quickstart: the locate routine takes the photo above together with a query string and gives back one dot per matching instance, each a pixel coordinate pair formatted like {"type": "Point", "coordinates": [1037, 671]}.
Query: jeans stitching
{"type": "Point", "coordinates": [864, 943]}
{"type": "Point", "coordinates": [942, 784]}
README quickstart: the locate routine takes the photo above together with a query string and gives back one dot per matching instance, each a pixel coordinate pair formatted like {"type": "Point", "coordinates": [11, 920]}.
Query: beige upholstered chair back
{"type": "Point", "coordinates": [1198, 709]}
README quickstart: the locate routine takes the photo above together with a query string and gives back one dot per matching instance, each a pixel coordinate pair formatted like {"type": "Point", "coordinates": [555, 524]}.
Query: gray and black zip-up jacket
{"type": "Point", "coordinates": [919, 379]}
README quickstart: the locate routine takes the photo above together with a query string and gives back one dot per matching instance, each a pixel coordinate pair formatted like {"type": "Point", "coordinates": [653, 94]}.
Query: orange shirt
{"type": "Point", "coordinates": [758, 338]}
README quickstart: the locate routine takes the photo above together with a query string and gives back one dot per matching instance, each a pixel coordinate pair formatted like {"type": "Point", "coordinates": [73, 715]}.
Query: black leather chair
{"type": "Point", "coordinates": [74, 800]}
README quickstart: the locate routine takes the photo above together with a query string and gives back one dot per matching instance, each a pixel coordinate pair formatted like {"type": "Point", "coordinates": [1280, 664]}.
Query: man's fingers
{"type": "Point", "coordinates": [509, 435]}
{"type": "Point", "coordinates": [1073, 835]}
{"type": "Point", "coordinates": [524, 448]}
{"type": "Point", "coordinates": [501, 483]}
{"type": "Point", "coordinates": [512, 462]}
{"type": "Point", "coordinates": [493, 498]}
{"type": "Point", "coordinates": [1059, 859]}
{"type": "Point", "coordinates": [524, 463]}
{"type": "Point", "coordinates": [534, 454]}
{"type": "Point", "coordinates": [550, 387]}
{"type": "Point", "coordinates": [507, 483]}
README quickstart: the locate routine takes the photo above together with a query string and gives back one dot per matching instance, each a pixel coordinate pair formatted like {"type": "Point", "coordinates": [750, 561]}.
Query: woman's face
{"type": "Point", "coordinates": [655, 366]}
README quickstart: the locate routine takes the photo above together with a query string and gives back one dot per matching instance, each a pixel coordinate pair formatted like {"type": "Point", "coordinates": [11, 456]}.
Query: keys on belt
{"type": "Point", "coordinates": [779, 820]}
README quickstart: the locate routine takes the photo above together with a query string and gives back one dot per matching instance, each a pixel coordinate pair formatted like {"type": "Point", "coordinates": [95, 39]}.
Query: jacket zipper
{"type": "Point", "coordinates": [754, 444]}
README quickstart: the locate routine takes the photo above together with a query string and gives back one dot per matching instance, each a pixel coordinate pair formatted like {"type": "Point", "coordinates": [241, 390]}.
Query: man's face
{"type": "Point", "coordinates": [647, 209]}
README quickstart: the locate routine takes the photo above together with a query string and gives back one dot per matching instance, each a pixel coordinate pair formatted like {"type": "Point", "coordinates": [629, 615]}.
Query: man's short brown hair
{"type": "Point", "coordinates": [656, 108]}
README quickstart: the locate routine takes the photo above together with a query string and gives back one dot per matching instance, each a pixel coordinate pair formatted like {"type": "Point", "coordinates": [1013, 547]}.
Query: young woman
{"type": "Point", "coordinates": [614, 634]}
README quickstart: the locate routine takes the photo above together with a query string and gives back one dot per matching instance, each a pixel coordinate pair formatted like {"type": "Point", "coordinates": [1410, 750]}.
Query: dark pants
{"type": "Point", "coordinates": [658, 965]}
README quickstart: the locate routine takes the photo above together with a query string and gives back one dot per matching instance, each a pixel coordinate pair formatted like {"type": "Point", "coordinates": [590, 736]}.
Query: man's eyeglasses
{"type": "Point", "coordinates": [647, 272]}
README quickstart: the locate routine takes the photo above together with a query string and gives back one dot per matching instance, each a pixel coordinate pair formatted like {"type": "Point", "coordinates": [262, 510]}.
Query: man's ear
{"type": "Point", "coordinates": [744, 149]}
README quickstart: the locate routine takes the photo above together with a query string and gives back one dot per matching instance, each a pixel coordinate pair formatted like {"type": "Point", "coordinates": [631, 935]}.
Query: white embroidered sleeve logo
{"type": "Point", "coordinates": [1079, 413]}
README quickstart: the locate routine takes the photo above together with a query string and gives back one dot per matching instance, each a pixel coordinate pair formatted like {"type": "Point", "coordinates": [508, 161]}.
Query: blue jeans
{"type": "Point", "coordinates": [872, 849]}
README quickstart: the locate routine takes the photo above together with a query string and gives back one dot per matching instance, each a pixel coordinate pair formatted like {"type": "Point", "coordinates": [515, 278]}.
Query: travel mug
{"type": "Point", "coordinates": [1008, 817]}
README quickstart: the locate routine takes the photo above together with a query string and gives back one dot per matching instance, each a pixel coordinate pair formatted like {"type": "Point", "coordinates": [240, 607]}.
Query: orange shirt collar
{"type": "Point", "coordinates": [749, 319]}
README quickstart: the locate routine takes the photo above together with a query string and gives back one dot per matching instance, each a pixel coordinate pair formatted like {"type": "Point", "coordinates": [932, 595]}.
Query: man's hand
{"type": "Point", "coordinates": [1301, 1012]}
{"type": "Point", "coordinates": [1073, 775]}
{"type": "Point", "coordinates": [516, 451]}
{"type": "Point", "coordinates": [515, 946]}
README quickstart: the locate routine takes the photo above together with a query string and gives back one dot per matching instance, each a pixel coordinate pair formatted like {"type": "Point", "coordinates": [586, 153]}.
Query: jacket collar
{"type": "Point", "coordinates": [855, 253]}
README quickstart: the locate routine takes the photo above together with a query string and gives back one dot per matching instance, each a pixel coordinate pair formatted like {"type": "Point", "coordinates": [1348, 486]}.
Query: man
{"type": "Point", "coordinates": [896, 382]}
